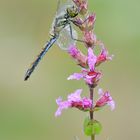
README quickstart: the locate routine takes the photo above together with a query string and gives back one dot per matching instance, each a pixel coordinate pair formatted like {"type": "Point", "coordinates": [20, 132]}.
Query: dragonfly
{"type": "Point", "coordinates": [62, 33]}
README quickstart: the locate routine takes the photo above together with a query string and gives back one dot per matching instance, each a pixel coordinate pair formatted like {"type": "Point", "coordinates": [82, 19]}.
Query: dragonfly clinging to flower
{"type": "Point", "coordinates": [60, 27]}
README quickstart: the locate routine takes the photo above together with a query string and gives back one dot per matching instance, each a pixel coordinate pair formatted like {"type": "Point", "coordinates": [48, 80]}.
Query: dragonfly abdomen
{"type": "Point", "coordinates": [39, 57]}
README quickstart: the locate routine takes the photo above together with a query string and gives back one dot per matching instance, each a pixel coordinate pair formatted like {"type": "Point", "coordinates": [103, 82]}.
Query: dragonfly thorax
{"type": "Point", "coordinates": [72, 11]}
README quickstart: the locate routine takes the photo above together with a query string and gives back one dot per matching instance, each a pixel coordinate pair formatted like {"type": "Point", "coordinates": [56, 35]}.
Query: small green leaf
{"type": "Point", "coordinates": [86, 121]}
{"type": "Point", "coordinates": [97, 127]}
{"type": "Point", "coordinates": [88, 128]}
{"type": "Point", "coordinates": [92, 127]}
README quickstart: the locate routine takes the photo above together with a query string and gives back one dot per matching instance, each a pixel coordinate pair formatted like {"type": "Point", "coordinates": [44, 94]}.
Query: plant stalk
{"type": "Point", "coordinates": [91, 112]}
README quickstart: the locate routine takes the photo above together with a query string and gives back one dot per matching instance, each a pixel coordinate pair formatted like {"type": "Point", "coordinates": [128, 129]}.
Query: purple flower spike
{"type": "Point", "coordinates": [88, 61]}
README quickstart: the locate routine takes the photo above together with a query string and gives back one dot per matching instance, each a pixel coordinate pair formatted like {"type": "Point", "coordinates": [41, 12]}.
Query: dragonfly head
{"type": "Point", "coordinates": [72, 11]}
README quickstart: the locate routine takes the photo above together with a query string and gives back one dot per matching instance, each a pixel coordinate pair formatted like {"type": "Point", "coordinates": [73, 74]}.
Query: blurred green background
{"type": "Point", "coordinates": [27, 108]}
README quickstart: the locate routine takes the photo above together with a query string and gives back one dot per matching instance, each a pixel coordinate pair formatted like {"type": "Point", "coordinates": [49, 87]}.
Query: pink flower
{"type": "Point", "coordinates": [82, 5]}
{"type": "Point", "coordinates": [73, 100]}
{"type": "Point", "coordinates": [90, 76]}
{"type": "Point", "coordinates": [80, 23]}
{"type": "Point", "coordinates": [73, 51]}
{"type": "Point", "coordinates": [90, 21]}
{"type": "Point", "coordinates": [89, 38]}
{"type": "Point", "coordinates": [76, 76]}
{"type": "Point", "coordinates": [86, 24]}
{"type": "Point", "coordinates": [78, 56]}
{"type": "Point", "coordinates": [104, 99]}
{"type": "Point", "coordinates": [103, 56]}
{"type": "Point", "coordinates": [62, 105]}
{"type": "Point", "coordinates": [77, 2]}
{"type": "Point", "coordinates": [92, 59]}
{"type": "Point", "coordinates": [76, 96]}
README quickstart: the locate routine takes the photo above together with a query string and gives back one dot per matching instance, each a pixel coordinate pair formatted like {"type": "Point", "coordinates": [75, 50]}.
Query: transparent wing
{"type": "Point", "coordinates": [65, 38]}
{"type": "Point", "coordinates": [61, 11]}
{"type": "Point", "coordinates": [62, 6]}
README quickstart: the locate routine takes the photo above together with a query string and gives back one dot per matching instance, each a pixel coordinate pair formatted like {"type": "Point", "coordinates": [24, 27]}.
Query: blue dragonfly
{"type": "Point", "coordinates": [62, 33]}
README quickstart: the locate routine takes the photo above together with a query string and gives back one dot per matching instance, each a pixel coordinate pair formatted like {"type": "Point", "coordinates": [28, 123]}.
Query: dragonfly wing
{"type": "Point", "coordinates": [65, 39]}
{"type": "Point", "coordinates": [60, 12]}
{"type": "Point", "coordinates": [39, 57]}
{"type": "Point", "coordinates": [62, 6]}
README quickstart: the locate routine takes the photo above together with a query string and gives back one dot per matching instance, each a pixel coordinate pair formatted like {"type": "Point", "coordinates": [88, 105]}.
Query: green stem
{"type": "Point", "coordinates": [91, 112]}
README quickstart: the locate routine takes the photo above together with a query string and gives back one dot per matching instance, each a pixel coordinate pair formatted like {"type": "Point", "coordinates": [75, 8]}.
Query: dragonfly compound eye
{"type": "Point", "coordinates": [72, 11]}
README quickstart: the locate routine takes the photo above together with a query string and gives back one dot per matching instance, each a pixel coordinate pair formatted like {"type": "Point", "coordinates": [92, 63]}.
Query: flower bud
{"type": "Point", "coordinates": [93, 78]}
{"type": "Point", "coordinates": [82, 5]}
{"type": "Point", "coordinates": [80, 23]}
{"type": "Point", "coordinates": [90, 22]}
{"type": "Point", "coordinates": [89, 38]}
{"type": "Point", "coordinates": [78, 56]}
{"type": "Point", "coordinates": [103, 56]}
{"type": "Point", "coordinates": [105, 98]}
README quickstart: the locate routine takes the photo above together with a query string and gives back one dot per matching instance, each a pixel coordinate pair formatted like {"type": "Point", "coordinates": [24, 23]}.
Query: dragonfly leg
{"type": "Point", "coordinates": [79, 24]}
{"type": "Point", "coordinates": [75, 22]}
{"type": "Point", "coordinates": [71, 33]}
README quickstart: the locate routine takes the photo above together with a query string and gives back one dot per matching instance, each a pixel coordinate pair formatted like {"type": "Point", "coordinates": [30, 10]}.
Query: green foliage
{"type": "Point", "coordinates": [88, 130]}
{"type": "Point", "coordinates": [92, 127]}
{"type": "Point", "coordinates": [97, 127]}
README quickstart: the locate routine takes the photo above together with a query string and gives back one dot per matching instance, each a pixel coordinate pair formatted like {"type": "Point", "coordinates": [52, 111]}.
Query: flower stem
{"type": "Point", "coordinates": [91, 112]}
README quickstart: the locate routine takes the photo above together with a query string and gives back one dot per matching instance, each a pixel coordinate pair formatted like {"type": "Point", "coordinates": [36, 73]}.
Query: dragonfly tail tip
{"type": "Point", "coordinates": [26, 78]}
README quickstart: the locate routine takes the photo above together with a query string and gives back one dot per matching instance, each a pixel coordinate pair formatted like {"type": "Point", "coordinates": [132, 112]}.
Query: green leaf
{"type": "Point", "coordinates": [86, 121]}
{"type": "Point", "coordinates": [92, 127]}
{"type": "Point", "coordinates": [97, 127]}
{"type": "Point", "coordinates": [88, 128]}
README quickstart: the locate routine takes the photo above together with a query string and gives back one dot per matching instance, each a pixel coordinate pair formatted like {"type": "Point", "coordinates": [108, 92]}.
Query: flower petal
{"type": "Point", "coordinates": [73, 51]}
{"type": "Point", "coordinates": [87, 103]}
{"type": "Point", "coordinates": [75, 97]}
{"type": "Point", "coordinates": [100, 91]}
{"type": "Point", "coordinates": [76, 76]}
{"type": "Point", "coordinates": [112, 105]}
{"type": "Point", "coordinates": [61, 105]}
{"type": "Point", "coordinates": [105, 98]}
{"type": "Point", "coordinates": [91, 59]}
